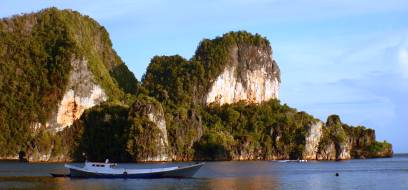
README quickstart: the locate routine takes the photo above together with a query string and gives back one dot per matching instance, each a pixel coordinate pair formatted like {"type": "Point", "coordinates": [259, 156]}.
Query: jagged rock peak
{"type": "Point", "coordinates": [241, 68]}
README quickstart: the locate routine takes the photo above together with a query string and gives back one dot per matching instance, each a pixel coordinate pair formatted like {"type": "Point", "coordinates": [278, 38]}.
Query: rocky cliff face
{"type": "Point", "coordinates": [251, 75]}
{"type": "Point", "coordinates": [97, 73]}
{"type": "Point", "coordinates": [59, 63]}
{"type": "Point", "coordinates": [162, 142]}
{"type": "Point", "coordinates": [345, 150]}
{"type": "Point", "coordinates": [327, 152]}
{"type": "Point", "coordinates": [82, 93]}
{"type": "Point", "coordinates": [314, 132]}
{"type": "Point", "coordinates": [151, 134]}
{"type": "Point", "coordinates": [339, 141]}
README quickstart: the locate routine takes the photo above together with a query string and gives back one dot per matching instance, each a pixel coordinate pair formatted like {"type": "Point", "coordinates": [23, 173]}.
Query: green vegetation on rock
{"type": "Point", "coordinates": [180, 85]}
{"type": "Point", "coordinates": [360, 139]}
{"type": "Point", "coordinates": [264, 131]}
{"type": "Point", "coordinates": [214, 54]}
{"type": "Point", "coordinates": [36, 52]}
{"type": "Point", "coordinates": [174, 80]}
{"type": "Point", "coordinates": [34, 73]}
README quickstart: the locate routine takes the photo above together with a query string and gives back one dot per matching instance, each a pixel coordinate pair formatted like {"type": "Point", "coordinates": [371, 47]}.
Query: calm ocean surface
{"type": "Point", "coordinates": [387, 173]}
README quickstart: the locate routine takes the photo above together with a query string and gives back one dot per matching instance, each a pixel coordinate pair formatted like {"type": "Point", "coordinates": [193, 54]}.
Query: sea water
{"type": "Point", "coordinates": [382, 173]}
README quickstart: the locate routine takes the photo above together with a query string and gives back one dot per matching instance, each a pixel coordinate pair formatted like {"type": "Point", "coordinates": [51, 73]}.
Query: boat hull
{"type": "Point", "coordinates": [181, 172]}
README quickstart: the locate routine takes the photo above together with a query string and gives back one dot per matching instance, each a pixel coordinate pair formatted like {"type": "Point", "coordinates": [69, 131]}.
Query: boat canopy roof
{"type": "Point", "coordinates": [99, 164]}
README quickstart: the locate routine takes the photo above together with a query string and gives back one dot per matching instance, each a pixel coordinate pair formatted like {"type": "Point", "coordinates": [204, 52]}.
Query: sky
{"type": "Point", "coordinates": [342, 57]}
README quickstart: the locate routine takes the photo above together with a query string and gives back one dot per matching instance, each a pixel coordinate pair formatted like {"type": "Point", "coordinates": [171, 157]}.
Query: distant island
{"type": "Point", "coordinates": [65, 93]}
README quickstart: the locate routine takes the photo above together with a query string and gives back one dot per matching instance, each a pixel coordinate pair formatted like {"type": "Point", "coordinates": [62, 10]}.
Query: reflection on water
{"type": "Point", "coordinates": [27, 183]}
{"type": "Point", "coordinates": [354, 174]}
{"type": "Point", "coordinates": [257, 182]}
{"type": "Point", "coordinates": [49, 183]}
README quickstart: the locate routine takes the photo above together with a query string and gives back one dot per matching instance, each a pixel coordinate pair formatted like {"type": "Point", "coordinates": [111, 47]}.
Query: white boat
{"type": "Point", "coordinates": [292, 160]}
{"type": "Point", "coordinates": [110, 170]}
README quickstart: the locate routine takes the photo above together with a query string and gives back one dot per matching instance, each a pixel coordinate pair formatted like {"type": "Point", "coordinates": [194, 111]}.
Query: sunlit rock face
{"type": "Point", "coordinates": [328, 152]}
{"type": "Point", "coordinates": [344, 151]}
{"type": "Point", "coordinates": [81, 93]}
{"type": "Point", "coordinates": [313, 140]}
{"type": "Point", "coordinates": [157, 118]}
{"type": "Point", "coordinates": [154, 135]}
{"type": "Point", "coordinates": [252, 76]}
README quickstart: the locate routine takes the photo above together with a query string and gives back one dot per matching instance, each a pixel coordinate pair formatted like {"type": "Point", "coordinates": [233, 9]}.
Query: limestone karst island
{"type": "Point", "coordinates": [65, 92]}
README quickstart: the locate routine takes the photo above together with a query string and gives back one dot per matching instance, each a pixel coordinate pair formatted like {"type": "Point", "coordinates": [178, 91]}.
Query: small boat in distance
{"type": "Point", "coordinates": [300, 161]}
{"type": "Point", "coordinates": [110, 170]}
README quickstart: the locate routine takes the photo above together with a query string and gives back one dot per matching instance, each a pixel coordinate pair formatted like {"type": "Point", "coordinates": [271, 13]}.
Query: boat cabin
{"type": "Point", "coordinates": [100, 165]}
